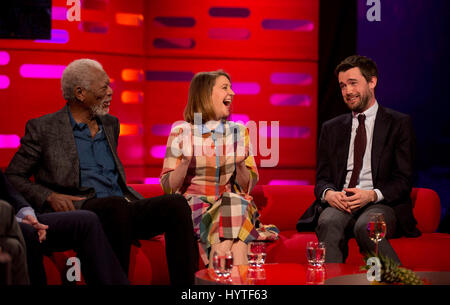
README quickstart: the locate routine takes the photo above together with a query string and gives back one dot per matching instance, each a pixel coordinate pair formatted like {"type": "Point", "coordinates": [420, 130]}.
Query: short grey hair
{"type": "Point", "coordinates": [78, 73]}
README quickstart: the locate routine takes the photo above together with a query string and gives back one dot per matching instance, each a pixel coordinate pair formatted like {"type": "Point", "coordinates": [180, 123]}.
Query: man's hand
{"type": "Point", "coordinates": [40, 228]}
{"type": "Point", "coordinates": [61, 202]}
{"type": "Point", "coordinates": [360, 198]}
{"type": "Point", "coordinates": [337, 200]}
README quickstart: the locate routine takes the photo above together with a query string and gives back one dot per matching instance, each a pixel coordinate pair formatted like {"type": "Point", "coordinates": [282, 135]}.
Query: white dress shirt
{"type": "Point", "coordinates": [365, 181]}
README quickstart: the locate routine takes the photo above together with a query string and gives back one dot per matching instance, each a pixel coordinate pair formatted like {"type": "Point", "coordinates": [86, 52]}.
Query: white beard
{"type": "Point", "coordinates": [98, 110]}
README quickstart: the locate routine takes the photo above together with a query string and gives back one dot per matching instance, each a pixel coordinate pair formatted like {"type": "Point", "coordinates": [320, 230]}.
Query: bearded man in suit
{"type": "Point", "coordinates": [364, 165]}
{"type": "Point", "coordinates": [72, 155]}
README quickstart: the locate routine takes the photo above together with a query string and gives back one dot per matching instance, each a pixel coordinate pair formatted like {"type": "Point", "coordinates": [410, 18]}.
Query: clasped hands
{"type": "Point", "coordinates": [59, 203]}
{"type": "Point", "coordinates": [357, 200]}
{"type": "Point", "coordinates": [40, 228]}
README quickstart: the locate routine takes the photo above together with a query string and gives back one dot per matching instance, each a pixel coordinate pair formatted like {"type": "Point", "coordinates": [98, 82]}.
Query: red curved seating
{"type": "Point", "coordinates": [282, 205]}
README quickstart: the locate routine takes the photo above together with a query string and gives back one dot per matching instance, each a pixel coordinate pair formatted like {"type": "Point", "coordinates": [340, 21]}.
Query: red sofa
{"type": "Point", "coordinates": [282, 206]}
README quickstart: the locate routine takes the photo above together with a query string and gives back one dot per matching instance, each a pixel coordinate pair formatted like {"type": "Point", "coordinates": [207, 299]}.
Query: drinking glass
{"type": "Point", "coordinates": [376, 227]}
{"type": "Point", "coordinates": [217, 264]}
{"type": "Point", "coordinates": [315, 275]}
{"type": "Point", "coordinates": [315, 253]}
{"type": "Point", "coordinates": [222, 264]}
{"type": "Point", "coordinates": [256, 254]}
{"type": "Point", "coordinates": [228, 264]}
{"type": "Point", "coordinates": [256, 276]}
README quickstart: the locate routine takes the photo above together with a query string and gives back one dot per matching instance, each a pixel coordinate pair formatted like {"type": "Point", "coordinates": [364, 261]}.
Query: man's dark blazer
{"type": "Point", "coordinates": [49, 153]}
{"type": "Point", "coordinates": [393, 147]}
{"type": "Point", "coordinates": [9, 194]}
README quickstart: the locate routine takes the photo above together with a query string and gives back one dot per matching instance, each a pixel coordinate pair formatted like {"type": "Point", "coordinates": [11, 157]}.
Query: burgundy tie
{"type": "Point", "coordinates": [358, 150]}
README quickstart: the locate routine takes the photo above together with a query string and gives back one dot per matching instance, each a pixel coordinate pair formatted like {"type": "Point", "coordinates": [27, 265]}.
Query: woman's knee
{"type": "Point", "coordinates": [223, 246]}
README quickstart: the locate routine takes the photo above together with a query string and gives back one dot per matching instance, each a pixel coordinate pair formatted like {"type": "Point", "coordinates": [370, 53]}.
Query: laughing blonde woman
{"type": "Point", "coordinates": [209, 161]}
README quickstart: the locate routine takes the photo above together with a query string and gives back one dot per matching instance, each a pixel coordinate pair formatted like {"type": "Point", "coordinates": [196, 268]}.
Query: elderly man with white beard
{"type": "Point", "coordinates": [72, 155]}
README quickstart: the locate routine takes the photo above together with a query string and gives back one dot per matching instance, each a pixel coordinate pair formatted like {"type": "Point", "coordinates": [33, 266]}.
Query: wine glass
{"type": "Point", "coordinates": [376, 227]}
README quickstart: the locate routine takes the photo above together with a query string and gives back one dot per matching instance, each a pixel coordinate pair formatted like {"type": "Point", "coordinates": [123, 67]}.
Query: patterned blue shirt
{"type": "Point", "coordinates": [97, 167]}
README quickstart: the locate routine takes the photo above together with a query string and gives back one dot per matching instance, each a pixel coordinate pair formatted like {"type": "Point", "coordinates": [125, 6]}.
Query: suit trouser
{"type": "Point", "coordinates": [12, 242]}
{"type": "Point", "coordinates": [336, 227]}
{"type": "Point", "coordinates": [78, 230]}
{"type": "Point", "coordinates": [124, 222]}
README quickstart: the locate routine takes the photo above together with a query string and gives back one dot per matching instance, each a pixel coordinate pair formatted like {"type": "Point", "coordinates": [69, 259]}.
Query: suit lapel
{"type": "Point", "coordinates": [65, 134]}
{"type": "Point", "coordinates": [342, 147]}
{"type": "Point", "coordinates": [109, 132]}
{"type": "Point", "coordinates": [380, 132]}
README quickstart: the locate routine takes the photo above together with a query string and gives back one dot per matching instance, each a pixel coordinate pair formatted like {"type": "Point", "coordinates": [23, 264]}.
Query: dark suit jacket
{"type": "Point", "coordinates": [393, 147]}
{"type": "Point", "coordinates": [48, 152]}
{"type": "Point", "coordinates": [9, 194]}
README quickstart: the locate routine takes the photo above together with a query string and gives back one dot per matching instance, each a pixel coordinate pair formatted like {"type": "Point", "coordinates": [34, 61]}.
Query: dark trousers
{"type": "Point", "coordinates": [12, 242]}
{"type": "Point", "coordinates": [336, 227]}
{"type": "Point", "coordinates": [78, 230]}
{"type": "Point", "coordinates": [124, 222]}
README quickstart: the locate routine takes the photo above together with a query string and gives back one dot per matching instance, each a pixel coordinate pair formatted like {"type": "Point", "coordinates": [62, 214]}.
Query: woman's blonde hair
{"type": "Point", "coordinates": [199, 98]}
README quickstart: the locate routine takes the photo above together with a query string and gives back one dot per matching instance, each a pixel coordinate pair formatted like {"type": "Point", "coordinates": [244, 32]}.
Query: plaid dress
{"type": "Point", "coordinates": [221, 209]}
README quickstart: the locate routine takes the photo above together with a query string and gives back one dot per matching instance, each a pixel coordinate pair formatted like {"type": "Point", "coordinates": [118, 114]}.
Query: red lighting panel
{"type": "Point", "coordinates": [152, 49]}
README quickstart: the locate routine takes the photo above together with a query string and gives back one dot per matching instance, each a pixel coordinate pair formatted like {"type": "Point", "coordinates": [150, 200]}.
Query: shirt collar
{"type": "Point", "coordinates": [73, 123]}
{"type": "Point", "coordinates": [219, 129]}
{"type": "Point", "coordinates": [369, 113]}
{"type": "Point", "coordinates": [81, 126]}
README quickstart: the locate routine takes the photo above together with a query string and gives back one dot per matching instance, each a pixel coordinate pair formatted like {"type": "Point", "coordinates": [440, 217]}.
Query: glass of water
{"type": "Point", "coordinates": [222, 264]}
{"type": "Point", "coordinates": [315, 275]}
{"type": "Point", "coordinates": [256, 254]}
{"type": "Point", "coordinates": [217, 264]}
{"type": "Point", "coordinates": [315, 253]}
{"type": "Point", "coordinates": [227, 264]}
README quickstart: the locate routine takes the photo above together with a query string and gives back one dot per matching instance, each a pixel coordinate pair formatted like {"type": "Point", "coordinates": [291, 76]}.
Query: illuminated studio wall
{"type": "Point", "coordinates": [151, 50]}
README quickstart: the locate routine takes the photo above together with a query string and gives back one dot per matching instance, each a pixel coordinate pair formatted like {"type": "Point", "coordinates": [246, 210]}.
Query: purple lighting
{"type": "Point", "coordinates": [158, 151]}
{"type": "Point", "coordinates": [288, 25]}
{"type": "Point", "coordinates": [232, 12]}
{"type": "Point", "coordinates": [169, 76]}
{"type": "Point", "coordinates": [93, 27]}
{"type": "Point", "coordinates": [174, 43]}
{"type": "Point", "coordinates": [4, 58]}
{"type": "Point", "coordinates": [41, 71]}
{"type": "Point", "coordinates": [9, 141]}
{"type": "Point", "coordinates": [59, 13]}
{"type": "Point", "coordinates": [4, 82]}
{"type": "Point", "coordinates": [288, 182]}
{"type": "Point", "coordinates": [290, 100]}
{"type": "Point", "coordinates": [246, 88]}
{"type": "Point", "coordinates": [287, 132]}
{"type": "Point", "coordinates": [151, 180]}
{"type": "Point", "coordinates": [235, 117]}
{"type": "Point", "coordinates": [179, 22]}
{"type": "Point", "coordinates": [161, 130]}
{"type": "Point", "coordinates": [57, 36]}
{"type": "Point", "coordinates": [291, 78]}
{"type": "Point", "coordinates": [229, 34]}
{"type": "Point", "coordinates": [99, 5]}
